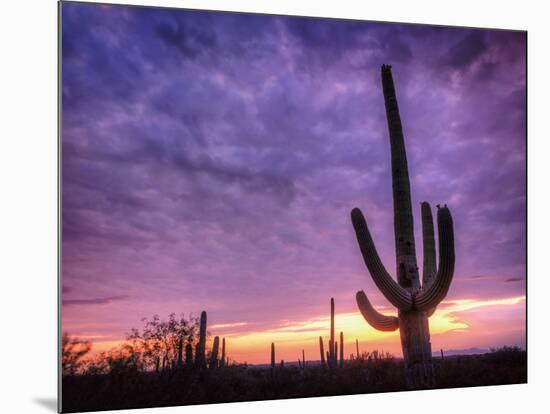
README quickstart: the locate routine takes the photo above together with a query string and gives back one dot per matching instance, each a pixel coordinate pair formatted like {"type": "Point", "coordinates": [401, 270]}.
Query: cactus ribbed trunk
{"type": "Point", "coordinates": [200, 358]}
{"type": "Point", "coordinates": [322, 350]}
{"type": "Point", "coordinates": [272, 355]}
{"type": "Point", "coordinates": [417, 350]}
{"type": "Point", "coordinates": [413, 324]}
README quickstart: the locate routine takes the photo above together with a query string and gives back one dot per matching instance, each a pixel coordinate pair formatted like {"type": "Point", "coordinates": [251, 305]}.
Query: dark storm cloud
{"type": "Point", "coordinates": [210, 160]}
{"type": "Point", "coordinates": [466, 50]}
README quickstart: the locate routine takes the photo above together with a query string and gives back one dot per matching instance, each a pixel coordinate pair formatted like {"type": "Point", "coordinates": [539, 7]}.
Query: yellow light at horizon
{"type": "Point", "coordinates": [291, 337]}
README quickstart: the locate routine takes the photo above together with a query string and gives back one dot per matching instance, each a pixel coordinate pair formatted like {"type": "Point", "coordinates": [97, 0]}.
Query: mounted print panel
{"type": "Point", "coordinates": [258, 207]}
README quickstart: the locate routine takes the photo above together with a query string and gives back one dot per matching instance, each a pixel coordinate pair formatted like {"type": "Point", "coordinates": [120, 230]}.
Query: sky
{"type": "Point", "coordinates": [210, 161]}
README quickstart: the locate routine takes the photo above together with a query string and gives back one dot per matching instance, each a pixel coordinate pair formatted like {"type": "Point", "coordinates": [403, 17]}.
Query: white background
{"type": "Point", "coordinates": [28, 204]}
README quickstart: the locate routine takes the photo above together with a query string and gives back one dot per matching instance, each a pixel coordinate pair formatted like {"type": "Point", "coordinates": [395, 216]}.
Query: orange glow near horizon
{"type": "Point", "coordinates": [291, 337]}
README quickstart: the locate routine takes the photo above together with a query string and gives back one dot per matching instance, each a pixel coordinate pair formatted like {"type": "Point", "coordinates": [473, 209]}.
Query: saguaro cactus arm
{"type": "Point", "coordinates": [429, 267]}
{"type": "Point", "coordinates": [373, 317]}
{"type": "Point", "coordinates": [395, 294]}
{"type": "Point", "coordinates": [431, 295]}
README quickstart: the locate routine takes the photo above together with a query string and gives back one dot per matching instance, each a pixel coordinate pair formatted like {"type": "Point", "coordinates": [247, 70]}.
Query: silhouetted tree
{"type": "Point", "coordinates": [73, 352]}
{"type": "Point", "coordinates": [162, 340]}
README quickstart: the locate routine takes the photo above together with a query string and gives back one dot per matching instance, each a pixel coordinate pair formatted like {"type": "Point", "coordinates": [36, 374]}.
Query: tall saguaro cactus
{"type": "Point", "coordinates": [414, 301]}
{"type": "Point", "coordinates": [272, 355]}
{"type": "Point", "coordinates": [200, 359]}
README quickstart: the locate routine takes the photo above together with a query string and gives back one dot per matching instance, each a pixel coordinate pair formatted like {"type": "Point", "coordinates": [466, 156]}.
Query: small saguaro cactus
{"type": "Point", "coordinates": [272, 355]}
{"type": "Point", "coordinates": [200, 359]}
{"type": "Point", "coordinates": [414, 301]}
{"type": "Point", "coordinates": [222, 360]}
{"type": "Point", "coordinates": [357, 347]}
{"type": "Point", "coordinates": [341, 349]}
{"type": "Point", "coordinates": [304, 358]}
{"type": "Point", "coordinates": [214, 353]}
{"type": "Point", "coordinates": [322, 349]}
{"type": "Point", "coordinates": [189, 355]}
{"type": "Point", "coordinates": [332, 343]}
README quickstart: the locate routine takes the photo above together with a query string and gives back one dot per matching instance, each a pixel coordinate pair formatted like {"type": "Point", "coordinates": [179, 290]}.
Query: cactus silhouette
{"type": "Point", "coordinates": [200, 359]}
{"type": "Point", "coordinates": [272, 355]}
{"type": "Point", "coordinates": [331, 361]}
{"type": "Point", "coordinates": [214, 354]}
{"type": "Point", "coordinates": [222, 360]}
{"type": "Point", "coordinates": [415, 302]}
{"type": "Point", "coordinates": [357, 347]}
{"type": "Point", "coordinates": [341, 349]}
{"type": "Point", "coordinates": [322, 349]}
{"type": "Point", "coordinates": [189, 355]}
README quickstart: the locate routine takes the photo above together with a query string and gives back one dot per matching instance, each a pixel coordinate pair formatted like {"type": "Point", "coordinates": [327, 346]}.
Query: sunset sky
{"type": "Point", "coordinates": [210, 162]}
